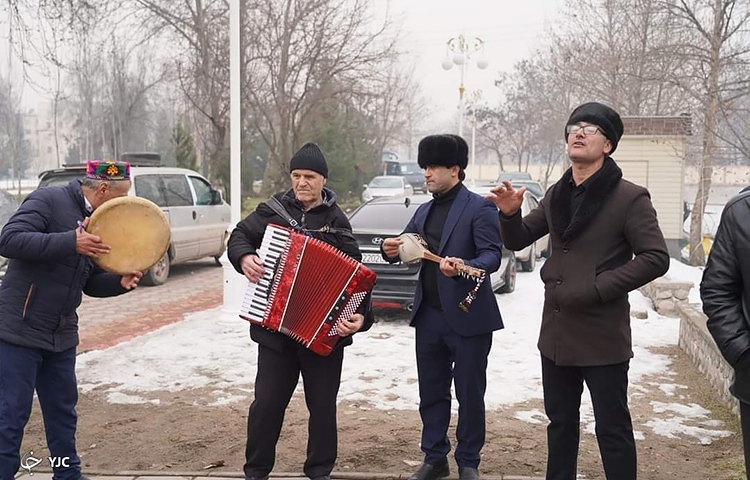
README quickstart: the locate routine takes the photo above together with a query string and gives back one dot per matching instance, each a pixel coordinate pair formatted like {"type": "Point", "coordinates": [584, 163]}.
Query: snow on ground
{"type": "Point", "coordinates": [679, 272]}
{"type": "Point", "coordinates": [213, 353]}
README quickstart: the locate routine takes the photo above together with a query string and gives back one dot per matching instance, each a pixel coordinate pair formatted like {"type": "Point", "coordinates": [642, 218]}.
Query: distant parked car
{"type": "Point", "coordinates": [709, 226]}
{"type": "Point", "coordinates": [527, 257]}
{"type": "Point", "coordinates": [382, 218]}
{"type": "Point", "coordinates": [533, 187]}
{"type": "Point", "coordinates": [513, 176]}
{"type": "Point", "coordinates": [387, 186]}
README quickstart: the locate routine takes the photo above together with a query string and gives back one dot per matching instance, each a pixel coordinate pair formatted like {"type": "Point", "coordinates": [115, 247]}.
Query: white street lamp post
{"type": "Point", "coordinates": [234, 283]}
{"type": "Point", "coordinates": [462, 53]}
{"type": "Point", "coordinates": [476, 95]}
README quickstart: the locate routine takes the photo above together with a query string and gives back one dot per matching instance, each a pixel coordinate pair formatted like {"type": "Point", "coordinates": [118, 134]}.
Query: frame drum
{"type": "Point", "coordinates": [136, 230]}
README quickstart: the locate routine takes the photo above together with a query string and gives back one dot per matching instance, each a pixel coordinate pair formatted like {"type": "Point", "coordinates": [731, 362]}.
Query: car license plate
{"type": "Point", "coordinates": [372, 258]}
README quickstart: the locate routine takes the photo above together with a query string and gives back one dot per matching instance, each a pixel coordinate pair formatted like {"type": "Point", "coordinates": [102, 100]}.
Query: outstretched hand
{"type": "Point", "coordinates": [507, 198]}
{"type": "Point", "coordinates": [88, 244]}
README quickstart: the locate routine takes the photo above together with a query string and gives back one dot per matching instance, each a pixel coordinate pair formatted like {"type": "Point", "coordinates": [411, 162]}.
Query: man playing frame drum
{"type": "Point", "coordinates": [50, 265]}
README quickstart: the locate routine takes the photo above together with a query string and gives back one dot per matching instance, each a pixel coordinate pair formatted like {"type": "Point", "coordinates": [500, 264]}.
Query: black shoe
{"type": "Point", "coordinates": [468, 473]}
{"type": "Point", "coordinates": [257, 478]}
{"type": "Point", "coordinates": [431, 472]}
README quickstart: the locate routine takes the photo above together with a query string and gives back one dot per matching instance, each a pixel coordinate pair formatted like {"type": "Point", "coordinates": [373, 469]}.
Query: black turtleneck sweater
{"type": "Point", "coordinates": [433, 229]}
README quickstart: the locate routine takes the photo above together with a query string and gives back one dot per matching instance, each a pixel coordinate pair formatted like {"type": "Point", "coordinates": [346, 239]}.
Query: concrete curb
{"type": "Point", "coordinates": [215, 474]}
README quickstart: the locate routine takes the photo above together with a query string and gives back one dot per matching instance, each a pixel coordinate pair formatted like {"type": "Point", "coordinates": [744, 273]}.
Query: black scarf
{"type": "Point", "coordinates": [596, 193]}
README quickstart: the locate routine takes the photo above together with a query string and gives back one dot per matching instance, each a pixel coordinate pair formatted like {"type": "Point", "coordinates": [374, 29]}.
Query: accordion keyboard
{"type": "Point", "coordinates": [259, 295]}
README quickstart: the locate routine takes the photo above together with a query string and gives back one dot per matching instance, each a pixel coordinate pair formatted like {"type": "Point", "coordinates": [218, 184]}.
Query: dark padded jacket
{"type": "Point", "coordinates": [725, 291]}
{"type": "Point", "coordinates": [46, 276]}
{"type": "Point", "coordinates": [247, 236]}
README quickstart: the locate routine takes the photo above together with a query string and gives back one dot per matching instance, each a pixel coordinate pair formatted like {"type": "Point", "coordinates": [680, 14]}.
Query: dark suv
{"type": "Point", "coordinates": [414, 175]}
{"type": "Point", "coordinates": [382, 218]}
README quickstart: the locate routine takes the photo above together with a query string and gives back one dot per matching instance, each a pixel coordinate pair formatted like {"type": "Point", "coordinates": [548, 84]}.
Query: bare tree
{"type": "Point", "coordinates": [201, 28]}
{"type": "Point", "coordinates": [304, 54]}
{"type": "Point", "coordinates": [491, 132]}
{"type": "Point", "coordinates": [615, 51]}
{"type": "Point", "coordinates": [390, 100]}
{"type": "Point", "coordinates": [709, 75]}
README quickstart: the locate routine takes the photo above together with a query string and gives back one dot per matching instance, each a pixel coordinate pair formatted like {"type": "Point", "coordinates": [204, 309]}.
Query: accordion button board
{"type": "Point", "coordinates": [307, 287]}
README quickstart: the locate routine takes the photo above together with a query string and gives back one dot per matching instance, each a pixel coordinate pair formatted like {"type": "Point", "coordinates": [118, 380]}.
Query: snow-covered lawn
{"type": "Point", "coordinates": [211, 352]}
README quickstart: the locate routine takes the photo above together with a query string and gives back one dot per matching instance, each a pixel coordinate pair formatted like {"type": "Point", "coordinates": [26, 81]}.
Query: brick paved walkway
{"type": "Point", "coordinates": [191, 287]}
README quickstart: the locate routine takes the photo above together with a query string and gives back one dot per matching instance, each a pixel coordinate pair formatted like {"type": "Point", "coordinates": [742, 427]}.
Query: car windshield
{"type": "Point", "coordinates": [385, 182]}
{"type": "Point", "coordinates": [382, 216]}
{"type": "Point", "coordinates": [409, 168]}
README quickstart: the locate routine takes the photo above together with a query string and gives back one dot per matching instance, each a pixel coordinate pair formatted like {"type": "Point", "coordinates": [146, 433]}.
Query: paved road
{"type": "Point", "coordinates": [191, 287]}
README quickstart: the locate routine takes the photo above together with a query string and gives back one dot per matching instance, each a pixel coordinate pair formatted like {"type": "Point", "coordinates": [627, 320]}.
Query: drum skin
{"type": "Point", "coordinates": [136, 230]}
{"type": "Point", "coordinates": [411, 249]}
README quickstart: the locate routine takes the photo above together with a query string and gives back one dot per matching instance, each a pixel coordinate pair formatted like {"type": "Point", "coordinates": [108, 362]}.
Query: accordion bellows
{"type": "Point", "coordinates": [307, 287]}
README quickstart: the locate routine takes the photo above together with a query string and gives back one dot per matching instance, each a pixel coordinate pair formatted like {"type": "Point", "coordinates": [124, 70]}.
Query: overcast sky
{"type": "Point", "coordinates": [510, 30]}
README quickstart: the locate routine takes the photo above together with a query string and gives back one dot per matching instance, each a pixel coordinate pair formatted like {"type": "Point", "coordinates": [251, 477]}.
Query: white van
{"type": "Point", "coordinates": [198, 216]}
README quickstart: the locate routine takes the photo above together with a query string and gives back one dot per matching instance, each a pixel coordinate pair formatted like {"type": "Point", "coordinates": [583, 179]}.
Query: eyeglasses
{"type": "Point", "coordinates": [587, 129]}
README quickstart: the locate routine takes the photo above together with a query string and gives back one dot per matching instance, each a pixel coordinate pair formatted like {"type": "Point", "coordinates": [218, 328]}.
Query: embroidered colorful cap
{"type": "Point", "coordinates": [107, 170]}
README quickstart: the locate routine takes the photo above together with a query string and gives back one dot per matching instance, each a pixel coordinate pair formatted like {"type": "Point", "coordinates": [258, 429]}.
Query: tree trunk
{"type": "Point", "coordinates": [697, 254]}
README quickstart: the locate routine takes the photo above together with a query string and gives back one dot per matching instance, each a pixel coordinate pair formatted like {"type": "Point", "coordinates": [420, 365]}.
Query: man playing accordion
{"type": "Point", "coordinates": [280, 358]}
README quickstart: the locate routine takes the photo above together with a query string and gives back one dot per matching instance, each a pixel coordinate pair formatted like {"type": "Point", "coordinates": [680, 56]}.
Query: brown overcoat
{"type": "Point", "coordinates": [611, 245]}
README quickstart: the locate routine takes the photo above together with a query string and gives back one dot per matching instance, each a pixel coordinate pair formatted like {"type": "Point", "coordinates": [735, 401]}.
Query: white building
{"type": "Point", "coordinates": [39, 131]}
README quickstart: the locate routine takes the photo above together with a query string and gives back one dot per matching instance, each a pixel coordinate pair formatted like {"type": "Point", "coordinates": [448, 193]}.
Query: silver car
{"type": "Point", "coordinates": [387, 186]}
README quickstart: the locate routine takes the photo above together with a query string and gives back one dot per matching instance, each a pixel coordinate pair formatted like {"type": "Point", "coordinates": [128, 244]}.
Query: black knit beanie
{"type": "Point", "coordinates": [602, 116]}
{"type": "Point", "coordinates": [309, 157]}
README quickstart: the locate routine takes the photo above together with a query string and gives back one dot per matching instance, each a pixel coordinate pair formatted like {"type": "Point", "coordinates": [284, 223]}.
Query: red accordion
{"type": "Point", "coordinates": [307, 287]}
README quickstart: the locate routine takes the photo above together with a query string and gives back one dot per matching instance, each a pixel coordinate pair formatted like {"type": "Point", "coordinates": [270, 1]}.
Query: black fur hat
{"type": "Point", "coordinates": [602, 116]}
{"type": "Point", "coordinates": [443, 150]}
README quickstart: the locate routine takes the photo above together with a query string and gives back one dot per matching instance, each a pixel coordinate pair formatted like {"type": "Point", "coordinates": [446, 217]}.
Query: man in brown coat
{"type": "Point", "coordinates": [605, 241]}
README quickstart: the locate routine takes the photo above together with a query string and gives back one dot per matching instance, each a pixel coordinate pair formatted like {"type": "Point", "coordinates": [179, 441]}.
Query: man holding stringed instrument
{"type": "Point", "coordinates": [455, 311]}
{"type": "Point", "coordinates": [605, 241]}
{"type": "Point", "coordinates": [308, 208]}
{"type": "Point", "coordinates": [50, 267]}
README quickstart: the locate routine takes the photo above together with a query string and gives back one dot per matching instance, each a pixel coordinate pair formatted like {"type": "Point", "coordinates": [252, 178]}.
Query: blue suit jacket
{"type": "Point", "coordinates": [472, 233]}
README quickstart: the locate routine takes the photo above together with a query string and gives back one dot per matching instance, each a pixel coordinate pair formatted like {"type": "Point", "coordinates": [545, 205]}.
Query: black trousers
{"type": "Point", "coordinates": [608, 385]}
{"type": "Point", "coordinates": [745, 423]}
{"type": "Point", "coordinates": [275, 382]}
{"type": "Point", "coordinates": [445, 357]}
